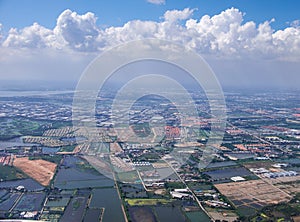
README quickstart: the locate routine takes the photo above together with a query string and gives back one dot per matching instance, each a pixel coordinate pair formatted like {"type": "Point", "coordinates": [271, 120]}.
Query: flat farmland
{"type": "Point", "coordinates": [31, 202]}
{"type": "Point", "coordinates": [75, 210]}
{"type": "Point", "coordinates": [40, 170]}
{"type": "Point", "coordinates": [253, 193]}
{"type": "Point", "coordinates": [280, 180]}
{"type": "Point", "coordinates": [142, 214]}
{"type": "Point", "coordinates": [290, 188]}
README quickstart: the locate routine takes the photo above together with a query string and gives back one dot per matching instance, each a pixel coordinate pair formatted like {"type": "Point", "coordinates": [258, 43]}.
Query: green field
{"type": "Point", "coordinates": [14, 127]}
{"type": "Point", "coordinates": [10, 173]}
{"type": "Point", "coordinates": [131, 176]}
{"type": "Point", "coordinates": [54, 158]}
{"type": "Point", "coordinates": [143, 202]}
{"type": "Point", "coordinates": [194, 216]}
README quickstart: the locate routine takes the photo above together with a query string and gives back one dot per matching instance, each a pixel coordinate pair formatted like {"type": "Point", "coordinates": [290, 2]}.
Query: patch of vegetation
{"type": "Point", "coordinates": [15, 127]}
{"type": "Point", "coordinates": [142, 129]}
{"type": "Point", "coordinates": [60, 124]}
{"type": "Point", "coordinates": [200, 186]}
{"type": "Point", "coordinates": [69, 148]}
{"type": "Point", "coordinates": [174, 185]}
{"type": "Point", "coordinates": [51, 158]}
{"type": "Point", "coordinates": [143, 202]}
{"type": "Point", "coordinates": [130, 176]}
{"type": "Point", "coordinates": [10, 173]}
{"type": "Point", "coordinates": [86, 167]}
{"type": "Point", "coordinates": [279, 212]}
{"type": "Point", "coordinates": [245, 213]}
{"type": "Point", "coordinates": [76, 204]}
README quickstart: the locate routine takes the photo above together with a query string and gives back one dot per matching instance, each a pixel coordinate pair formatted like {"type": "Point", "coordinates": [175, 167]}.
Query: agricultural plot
{"type": "Point", "coordinates": [225, 174]}
{"type": "Point", "coordinates": [145, 202]}
{"type": "Point", "coordinates": [72, 178]}
{"type": "Point", "coordinates": [40, 170]}
{"type": "Point", "coordinates": [252, 194]}
{"type": "Point", "coordinates": [53, 201]}
{"type": "Point", "coordinates": [7, 201]}
{"type": "Point", "coordinates": [128, 177]}
{"type": "Point", "coordinates": [108, 199]}
{"type": "Point", "coordinates": [75, 210]}
{"type": "Point", "coordinates": [278, 180]}
{"type": "Point", "coordinates": [169, 213]}
{"type": "Point", "coordinates": [291, 188]}
{"type": "Point", "coordinates": [93, 215]}
{"type": "Point", "coordinates": [152, 213]}
{"type": "Point", "coordinates": [45, 141]}
{"type": "Point", "coordinates": [3, 193]}
{"type": "Point", "coordinates": [31, 202]}
{"type": "Point", "coordinates": [29, 184]}
{"type": "Point", "coordinates": [12, 127]}
{"type": "Point", "coordinates": [56, 205]}
{"type": "Point", "coordinates": [50, 217]}
{"type": "Point", "coordinates": [222, 214]}
{"type": "Point", "coordinates": [194, 216]}
{"type": "Point", "coordinates": [76, 173]}
{"type": "Point", "coordinates": [144, 214]}
{"type": "Point", "coordinates": [10, 173]}
{"type": "Point", "coordinates": [221, 164]}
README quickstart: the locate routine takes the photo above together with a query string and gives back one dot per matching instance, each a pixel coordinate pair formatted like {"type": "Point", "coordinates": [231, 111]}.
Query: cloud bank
{"type": "Point", "coordinates": [241, 53]}
{"type": "Point", "coordinates": [224, 34]}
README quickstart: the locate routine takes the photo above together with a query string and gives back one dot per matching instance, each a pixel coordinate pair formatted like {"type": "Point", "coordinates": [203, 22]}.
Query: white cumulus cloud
{"type": "Point", "coordinates": [35, 36]}
{"type": "Point", "coordinates": [79, 32]}
{"type": "Point", "coordinates": [175, 15]}
{"type": "Point", "coordinates": [224, 34]}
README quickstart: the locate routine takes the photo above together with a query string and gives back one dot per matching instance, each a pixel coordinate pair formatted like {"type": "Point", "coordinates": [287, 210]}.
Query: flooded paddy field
{"type": "Point", "coordinates": [29, 184]}
{"type": "Point", "coordinates": [144, 214]}
{"type": "Point", "coordinates": [74, 179]}
{"type": "Point", "coordinates": [49, 150]}
{"type": "Point", "coordinates": [169, 213]}
{"type": "Point", "coordinates": [156, 213]}
{"type": "Point", "coordinates": [15, 142]}
{"type": "Point", "coordinates": [220, 164]}
{"type": "Point", "coordinates": [108, 199]}
{"type": "Point", "coordinates": [81, 184]}
{"type": "Point", "coordinates": [8, 201]}
{"type": "Point", "coordinates": [223, 174]}
{"type": "Point", "coordinates": [3, 193]}
{"type": "Point", "coordinates": [76, 173]}
{"type": "Point", "coordinates": [194, 216]}
{"type": "Point", "coordinates": [58, 201]}
{"type": "Point", "coordinates": [75, 210]}
{"type": "Point", "coordinates": [93, 215]}
{"type": "Point", "coordinates": [31, 202]}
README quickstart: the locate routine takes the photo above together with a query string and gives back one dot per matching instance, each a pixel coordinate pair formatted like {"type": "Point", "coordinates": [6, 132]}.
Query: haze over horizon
{"type": "Point", "coordinates": [245, 46]}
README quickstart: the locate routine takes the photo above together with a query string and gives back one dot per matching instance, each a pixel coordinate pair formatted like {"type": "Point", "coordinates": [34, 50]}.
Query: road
{"type": "Point", "coordinates": [193, 194]}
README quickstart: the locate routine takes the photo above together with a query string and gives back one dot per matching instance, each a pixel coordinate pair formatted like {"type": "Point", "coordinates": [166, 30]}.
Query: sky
{"type": "Point", "coordinates": [247, 43]}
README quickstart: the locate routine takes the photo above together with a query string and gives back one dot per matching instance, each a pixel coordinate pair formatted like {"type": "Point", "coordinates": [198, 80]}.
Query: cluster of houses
{"type": "Point", "coordinates": [184, 193]}
{"type": "Point", "coordinates": [280, 174]}
{"type": "Point", "coordinates": [267, 174]}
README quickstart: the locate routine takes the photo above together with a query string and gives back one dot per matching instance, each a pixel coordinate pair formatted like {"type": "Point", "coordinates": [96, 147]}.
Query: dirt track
{"type": "Point", "coordinates": [40, 170]}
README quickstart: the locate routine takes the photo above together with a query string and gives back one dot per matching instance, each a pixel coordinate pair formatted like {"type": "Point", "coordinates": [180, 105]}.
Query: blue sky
{"type": "Point", "coordinates": [18, 14]}
{"type": "Point", "coordinates": [246, 42]}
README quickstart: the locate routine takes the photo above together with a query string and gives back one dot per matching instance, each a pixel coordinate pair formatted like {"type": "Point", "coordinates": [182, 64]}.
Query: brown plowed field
{"type": "Point", "coordinates": [40, 170]}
